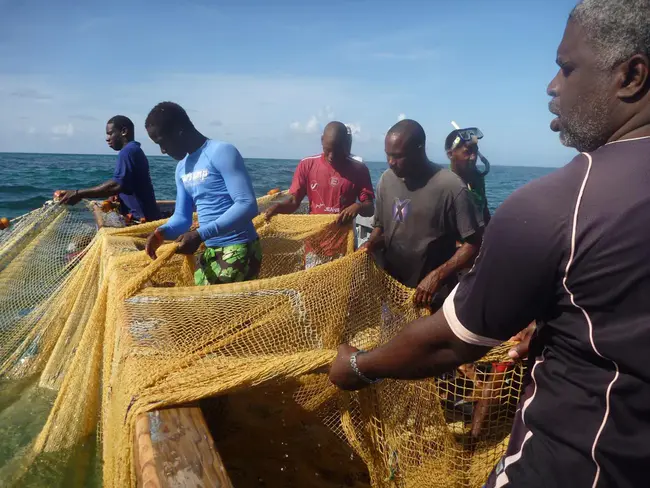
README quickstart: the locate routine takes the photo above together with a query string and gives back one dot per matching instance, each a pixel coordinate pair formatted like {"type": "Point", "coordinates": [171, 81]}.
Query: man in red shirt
{"type": "Point", "coordinates": [333, 182]}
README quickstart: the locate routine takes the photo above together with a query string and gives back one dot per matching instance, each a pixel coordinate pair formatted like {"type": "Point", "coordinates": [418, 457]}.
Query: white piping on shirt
{"type": "Point", "coordinates": [502, 479]}
{"type": "Point", "coordinates": [587, 318]}
{"type": "Point", "coordinates": [627, 140]}
{"type": "Point", "coordinates": [459, 330]}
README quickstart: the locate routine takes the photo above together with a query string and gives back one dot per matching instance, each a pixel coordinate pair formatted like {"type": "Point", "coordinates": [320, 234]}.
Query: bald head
{"type": "Point", "coordinates": [410, 132]}
{"type": "Point", "coordinates": [336, 143]}
{"type": "Point", "coordinates": [405, 148]}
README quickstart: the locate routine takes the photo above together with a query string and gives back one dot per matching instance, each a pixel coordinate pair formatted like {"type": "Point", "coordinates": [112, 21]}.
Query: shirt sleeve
{"type": "Point", "coordinates": [466, 215]}
{"type": "Point", "coordinates": [299, 183]}
{"type": "Point", "coordinates": [377, 217]}
{"type": "Point", "coordinates": [123, 173]}
{"type": "Point", "coordinates": [365, 192]}
{"type": "Point", "coordinates": [514, 276]}
{"type": "Point", "coordinates": [230, 164]}
{"type": "Point", "coordinates": [181, 221]}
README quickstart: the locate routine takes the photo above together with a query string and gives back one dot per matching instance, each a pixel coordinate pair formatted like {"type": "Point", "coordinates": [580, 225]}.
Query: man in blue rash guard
{"type": "Point", "coordinates": [212, 177]}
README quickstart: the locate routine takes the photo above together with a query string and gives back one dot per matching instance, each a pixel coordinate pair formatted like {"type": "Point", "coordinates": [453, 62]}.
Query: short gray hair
{"type": "Point", "coordinates": [618, 29]}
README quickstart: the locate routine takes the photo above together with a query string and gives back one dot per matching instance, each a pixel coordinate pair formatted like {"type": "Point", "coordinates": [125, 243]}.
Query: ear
{"type": "Point", "coordinates": [124, 132]}
{"type": "Point", "coordinates": [634, 77]}
{"type": "Point", "coordinates": [449, 154]}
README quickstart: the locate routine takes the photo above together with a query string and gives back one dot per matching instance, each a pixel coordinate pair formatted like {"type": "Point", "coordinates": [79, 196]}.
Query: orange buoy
{"type": "Point", "coordinates": [274, 191]}
{"type": "Point", "coordinates": [142, 220]}
{"type": "Point", "coordinates": [129, 218]}
{"type": "Point", "coordinates": [107, 206]}
{"type": "Point", "coordinates": [4, 223]}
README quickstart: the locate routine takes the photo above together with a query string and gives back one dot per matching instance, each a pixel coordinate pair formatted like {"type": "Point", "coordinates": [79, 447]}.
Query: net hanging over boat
{"type": "Point", "coordinates": [93, 333]}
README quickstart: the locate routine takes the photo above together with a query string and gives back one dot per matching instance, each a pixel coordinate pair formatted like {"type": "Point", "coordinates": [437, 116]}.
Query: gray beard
{"type": "Point", "coordinates": [585, 130]}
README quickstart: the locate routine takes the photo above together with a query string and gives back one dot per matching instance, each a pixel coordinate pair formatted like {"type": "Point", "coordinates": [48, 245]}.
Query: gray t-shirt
{"type": "Point", "coordinates": [422, 221]}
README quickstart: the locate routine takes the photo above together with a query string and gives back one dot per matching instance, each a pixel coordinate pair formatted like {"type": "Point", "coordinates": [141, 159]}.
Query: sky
{"type": "Point", "coordinates": [267, 75]}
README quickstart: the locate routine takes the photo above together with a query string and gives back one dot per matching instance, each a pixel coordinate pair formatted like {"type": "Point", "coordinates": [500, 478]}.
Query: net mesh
{"type": "Point", "coordinates": [100, 334]}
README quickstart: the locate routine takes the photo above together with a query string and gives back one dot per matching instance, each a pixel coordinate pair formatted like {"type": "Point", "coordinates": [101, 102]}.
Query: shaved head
{"type": "Point", "coordinates": [336, 143]}
{"type": "Point", "coordinates": [405, 148]}
{"type": "Point", "coordinates": [410, 132]}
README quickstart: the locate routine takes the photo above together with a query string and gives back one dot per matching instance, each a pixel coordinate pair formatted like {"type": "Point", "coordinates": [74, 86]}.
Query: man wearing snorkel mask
{"type": "Point", "coordinates": [462, 150]}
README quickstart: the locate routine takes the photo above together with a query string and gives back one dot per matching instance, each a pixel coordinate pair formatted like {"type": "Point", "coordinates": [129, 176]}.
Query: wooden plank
{"type": "Point", "coordinates": [174, 449]}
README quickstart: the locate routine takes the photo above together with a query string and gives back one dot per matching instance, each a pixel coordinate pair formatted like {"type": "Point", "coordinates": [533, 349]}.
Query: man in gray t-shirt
{"type": "Point", "coordinates": [422, 210]}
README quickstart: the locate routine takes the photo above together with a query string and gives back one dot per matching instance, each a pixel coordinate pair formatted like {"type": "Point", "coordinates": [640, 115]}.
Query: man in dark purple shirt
{"type": "Point", "coordinates": [571, 251]}
{"type": "Point", "coordinates": [131, 180]}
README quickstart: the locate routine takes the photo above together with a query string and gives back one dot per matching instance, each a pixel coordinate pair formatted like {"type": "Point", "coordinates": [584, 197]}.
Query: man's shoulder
{"type": "Point", "coordinates": [131, 149]}
{"type": "Point", "coordinates": [306, 164]}
{"type": "Point", "coordinates": [309, 160]}
{"type": "Point", "coordinates": [387, 177]}
{"type": "Point", "coordinates": [214, 148]}
{"type": "Point", "coordinates": [552, 195]}
{"type": "Point", "coordinates": [356, 158]}
{"type": "Point", "coordinates": [447, 179]}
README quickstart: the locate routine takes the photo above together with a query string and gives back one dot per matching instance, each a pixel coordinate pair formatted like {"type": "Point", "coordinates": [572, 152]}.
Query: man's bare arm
{"type": "Point", "coordinates": [72, 197]}
{"type": "Point", "coordinates": [289, 206]}
{"type": "Point", "coordinates": [424, 348]}
{"type": "Point", "coordinates": [106, 189]}
{"type": "Point", "coordinates": [367, 208]}
{"type": "Point", "coordinates": [463, 256]}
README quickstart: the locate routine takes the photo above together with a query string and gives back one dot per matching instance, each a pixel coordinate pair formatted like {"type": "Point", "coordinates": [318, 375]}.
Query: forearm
{"type": "Point", "coordinates": [106, 189]}
{"type": "Point", "coordinates": [367, 208]}
{"type": "Point", "coordinates": [181, 221]}
{"type": "Point", "coordinates": [376, 238]}
{"type": "Point", "coordinates": [424, 348]}
{"type": "Point", "coordinates": [289, 206]}
{"type": "Point", "coordinates": [463, 256]}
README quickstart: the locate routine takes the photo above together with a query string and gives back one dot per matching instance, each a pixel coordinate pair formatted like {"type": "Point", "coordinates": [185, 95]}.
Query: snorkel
{"type": "Point", "coordinates": [471, 135]}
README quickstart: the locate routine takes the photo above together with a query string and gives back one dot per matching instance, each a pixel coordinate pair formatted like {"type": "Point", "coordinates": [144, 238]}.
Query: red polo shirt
{"type": "Point", "coordinates": [330, 189]}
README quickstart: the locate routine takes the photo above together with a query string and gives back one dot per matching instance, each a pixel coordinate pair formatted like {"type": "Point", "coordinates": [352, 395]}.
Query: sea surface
{"type": "Point", "coordinates": [28, 180]}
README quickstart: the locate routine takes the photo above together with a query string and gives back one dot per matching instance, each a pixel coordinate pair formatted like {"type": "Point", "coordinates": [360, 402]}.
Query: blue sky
{"type": "Point", "coordinates": [266, 75]}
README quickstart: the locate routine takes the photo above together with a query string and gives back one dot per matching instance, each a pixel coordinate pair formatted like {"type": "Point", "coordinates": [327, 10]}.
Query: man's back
{"type": "Point", "coordinates": [572, 248]}
{"type": "Point", "coordinates": [422, 221]}
{"type": "Point", "coordinates": [132, 172]}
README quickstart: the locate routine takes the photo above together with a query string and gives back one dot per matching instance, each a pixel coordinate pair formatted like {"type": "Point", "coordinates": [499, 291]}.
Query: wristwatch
{"type": "Point", "coordinates": [355, 368]}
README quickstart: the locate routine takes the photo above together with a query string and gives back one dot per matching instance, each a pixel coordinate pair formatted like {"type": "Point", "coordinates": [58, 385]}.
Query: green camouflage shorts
{"type": "Point", "coordinates": [229, 264]}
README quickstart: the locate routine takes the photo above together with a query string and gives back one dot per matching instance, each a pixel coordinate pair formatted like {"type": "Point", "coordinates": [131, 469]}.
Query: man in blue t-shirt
{"type": "Point", "coordinates": [131, 181]}
{"type": "Point", "coordinates": [212, 177]}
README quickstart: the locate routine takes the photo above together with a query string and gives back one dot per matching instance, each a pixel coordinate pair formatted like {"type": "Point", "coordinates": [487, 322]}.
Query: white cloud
{"type": "Point", "coordinates": [315, 124]}
{"type": "Point", "coordinates": [355, 129]}
{"type": "Point", "coordinates": [413, 55]}
{"type": "Point", "coordinates": [63, 130]}
{"type": "Point", "coordinates": [264, 116]}
{"type": "Point", "coordinates": [31, 130]}
{"type": "Point", "coordinates": [401, 117]}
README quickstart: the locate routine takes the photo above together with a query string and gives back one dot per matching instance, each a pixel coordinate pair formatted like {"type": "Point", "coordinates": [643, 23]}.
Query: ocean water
{"type": "Point", "coordinates": [28, 180]}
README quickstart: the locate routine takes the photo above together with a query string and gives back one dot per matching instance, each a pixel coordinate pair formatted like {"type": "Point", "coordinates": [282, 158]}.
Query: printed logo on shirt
{"type": "Point", "coordinates": [401, 209]}
{"type": "Point", "coordinates": [313, 185]}
{"type": "Point", "coordinates": [194, 178]}
{"type": "Point", "coordinates": [327, 209]}
{"type": "Point", "coordinates": [334, 181]}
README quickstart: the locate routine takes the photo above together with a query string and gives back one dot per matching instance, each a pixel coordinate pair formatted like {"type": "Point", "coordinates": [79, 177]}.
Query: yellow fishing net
{"type": "Point", "coordinates": [93, 333]}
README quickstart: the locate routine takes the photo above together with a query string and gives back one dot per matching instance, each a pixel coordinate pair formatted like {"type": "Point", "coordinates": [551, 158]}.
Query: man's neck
{"type": "Point", "coordinates": [194, 141]}
{"type": "Point", "coordinates": [421, 171]}
{"type": "Point", "coordinates": [637, 126]}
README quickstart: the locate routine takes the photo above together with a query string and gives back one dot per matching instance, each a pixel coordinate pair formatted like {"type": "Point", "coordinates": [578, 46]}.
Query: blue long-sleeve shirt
{"type": "Point", "coordinates": [215, 180]}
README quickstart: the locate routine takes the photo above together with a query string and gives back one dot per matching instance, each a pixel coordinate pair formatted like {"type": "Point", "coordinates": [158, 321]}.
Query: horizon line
{"type": "Point", "coordinates": [245, 158]}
